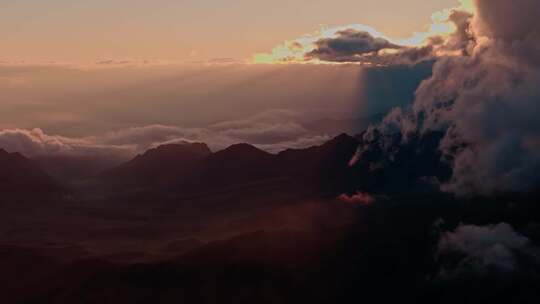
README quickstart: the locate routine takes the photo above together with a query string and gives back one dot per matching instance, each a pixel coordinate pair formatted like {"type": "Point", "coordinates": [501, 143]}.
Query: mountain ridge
{"type": "Point", "coordinates": [238, 164]}
{"type": "Point", "coordinates": [21, 178]}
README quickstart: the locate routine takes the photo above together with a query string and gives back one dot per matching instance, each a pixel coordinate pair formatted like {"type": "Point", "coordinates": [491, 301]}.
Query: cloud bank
{"type": "Point", "coordinates": [36, 143]}
{"type": "Point", "coordinates": [273, 131]}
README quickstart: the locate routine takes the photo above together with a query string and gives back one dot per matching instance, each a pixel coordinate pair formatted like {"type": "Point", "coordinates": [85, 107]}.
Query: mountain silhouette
{"type": "Point", "coordinates": [325, 167]}
{"type": "Point", "coordinates": [238, 164]}
{"type": "Point", "coordinates": [22, 178]}
{"type": "Point", "coordinates": [162, 165]}
{"type": "Point", "coordinates": [192, 167]}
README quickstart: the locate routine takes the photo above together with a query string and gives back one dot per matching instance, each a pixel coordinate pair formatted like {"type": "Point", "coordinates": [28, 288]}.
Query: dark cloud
{"type": "Point", "coordinates": [509, 21]}
{"type": "Point", "coordinates": [352, 45]}
{"type": "Point", "coordinates": [485, 99]}
{"type": "Point", "coordinates": [349, 46]}
{"type": "Point", "coordinates": [355, 46]}
{"type": "Point", "coordinates": [483, 248]}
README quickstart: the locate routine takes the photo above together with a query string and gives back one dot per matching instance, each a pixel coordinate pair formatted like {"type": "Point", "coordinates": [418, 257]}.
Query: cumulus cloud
{"type": "Point", "coordinates": [485, 99]}
{"type": "Point", "coordinates": [273, 131]}
{"type": "Point", "coordinates": [488, 102]}
{"type": "Point", "coordinates": [520, 19]}
{"type": "Point", "coordinates": [483, 248]}
{"type": "Point", "coordinates": [349, 46]}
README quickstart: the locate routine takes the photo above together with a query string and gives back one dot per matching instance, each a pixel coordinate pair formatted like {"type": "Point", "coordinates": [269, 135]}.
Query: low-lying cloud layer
{"type": "Point", "coordinates": [272, 130]}
{"type": "Point", "coordinates": [36, 143]}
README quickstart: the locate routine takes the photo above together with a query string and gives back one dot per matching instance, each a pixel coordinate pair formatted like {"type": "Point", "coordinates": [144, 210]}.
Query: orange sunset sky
{"type": "Point", "coordinates": [179, 30]}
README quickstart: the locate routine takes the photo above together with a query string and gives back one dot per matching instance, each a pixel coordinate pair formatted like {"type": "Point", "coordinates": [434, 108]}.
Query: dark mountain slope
{"type": "Point", "coordinates": [241, 163]}
{"type": "Point", "coordinates": [324, 167]}
{"type": "Point", "coordinates": [162, 165]}
{"type": "Point", "coordinates": [193, 168]}
{"type": "Point", "coordinates": [22, 178]}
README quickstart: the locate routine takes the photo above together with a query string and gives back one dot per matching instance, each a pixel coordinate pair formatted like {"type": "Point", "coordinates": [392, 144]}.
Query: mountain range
{"type": "Point", "coordinates": [191, 167]}
{"type": "Point", "coordinates": [345, 164]}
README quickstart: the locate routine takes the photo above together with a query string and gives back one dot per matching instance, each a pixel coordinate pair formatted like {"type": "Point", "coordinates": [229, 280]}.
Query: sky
{"type": "Point", "coordinates": [172, 30]}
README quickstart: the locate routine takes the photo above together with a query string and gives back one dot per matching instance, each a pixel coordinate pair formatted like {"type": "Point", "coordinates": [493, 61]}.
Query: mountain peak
{"type": "Point", "coordinates": [162, 164]}
{"type": "Point", "coordinates": [178, 150]}
{"type": "Point", "coordinates": [241, 151]}
{"type": "Point", "coordinates": [244, 147]}
{"type": "Point", "coordinates": [342, 138]}
{"type": "Point", "coordinates": [21, 176]}
{"type": "Point", "coordinates": [172, 153]}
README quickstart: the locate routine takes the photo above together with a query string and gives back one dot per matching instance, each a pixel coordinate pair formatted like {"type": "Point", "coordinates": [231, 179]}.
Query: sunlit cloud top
{"type": "Point", "coordinates": [362, 44]}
